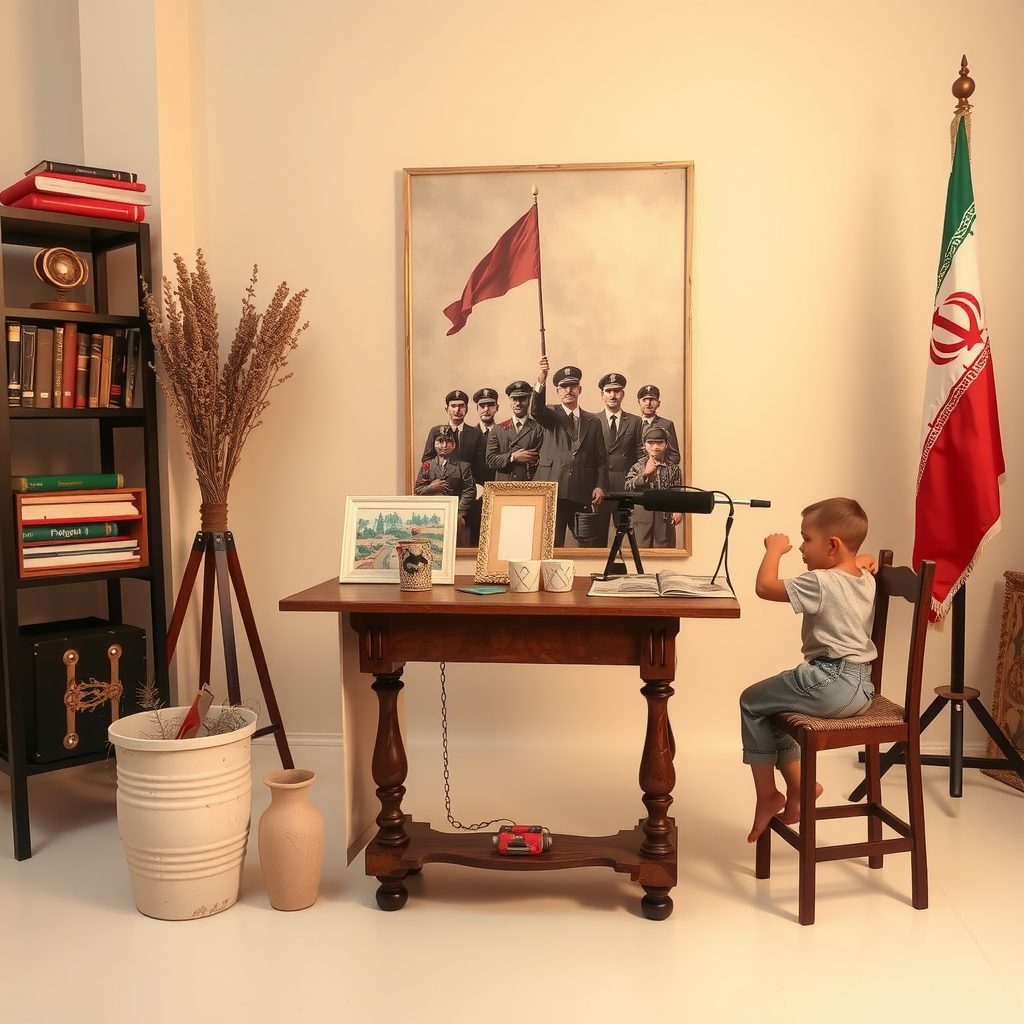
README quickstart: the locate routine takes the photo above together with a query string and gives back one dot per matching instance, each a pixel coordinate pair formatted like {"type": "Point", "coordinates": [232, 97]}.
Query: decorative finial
{"type": "Point", "coordinates": [963, 88]}
{"type": "Point", "coordinates": [535, 190]}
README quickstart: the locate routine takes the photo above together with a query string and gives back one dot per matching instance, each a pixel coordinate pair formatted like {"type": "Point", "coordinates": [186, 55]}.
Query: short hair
{"type": "Point", "coordinates": [842, 518]}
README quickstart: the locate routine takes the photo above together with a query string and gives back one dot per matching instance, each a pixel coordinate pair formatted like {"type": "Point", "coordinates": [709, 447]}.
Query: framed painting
{"type": "Point", "coordinates": [610, 298]}
{"type": "Point", "coordinates": [375, 525]}
{"type": "Point", "coordinates": [517, 522]}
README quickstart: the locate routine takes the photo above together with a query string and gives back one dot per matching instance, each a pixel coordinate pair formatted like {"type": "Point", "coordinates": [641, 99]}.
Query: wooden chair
{"type": "Point", "coordinates": [884, 722]}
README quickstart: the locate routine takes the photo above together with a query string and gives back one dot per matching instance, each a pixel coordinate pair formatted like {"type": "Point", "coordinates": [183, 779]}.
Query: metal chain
{"type": "Point", "coordinates": [447, 780]}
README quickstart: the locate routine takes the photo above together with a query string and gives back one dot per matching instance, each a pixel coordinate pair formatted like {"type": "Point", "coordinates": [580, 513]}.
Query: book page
{"type": "Point", "coordinates": [629, 585]}
{"type": "Point", "coordinates": [677, 584]}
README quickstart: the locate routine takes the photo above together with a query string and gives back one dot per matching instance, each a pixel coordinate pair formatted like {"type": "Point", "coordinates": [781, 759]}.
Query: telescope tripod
{"type": "Point", "coordinates": [623, 531]}
{"type": "Point", "coordinates": [222, 571]}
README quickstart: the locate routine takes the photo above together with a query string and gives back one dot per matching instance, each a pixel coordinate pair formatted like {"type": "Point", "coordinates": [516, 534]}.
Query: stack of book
{"type": "Point", "coordinates": [63, 367]}
{"type": "Point", "coordinates": [76, 188]}
{"type": "Point", "coordinates": [63, 529]}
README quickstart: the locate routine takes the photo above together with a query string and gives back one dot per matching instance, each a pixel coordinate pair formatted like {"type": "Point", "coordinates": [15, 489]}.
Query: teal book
{"type": "Point", "coordinates": [67, 482]}
{"type": "Point", "coordinates": [67, 531]}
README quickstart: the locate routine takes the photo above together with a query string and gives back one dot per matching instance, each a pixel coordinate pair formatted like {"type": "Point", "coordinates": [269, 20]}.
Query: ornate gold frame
{"type": "Point", "coordinates": [492, 558]}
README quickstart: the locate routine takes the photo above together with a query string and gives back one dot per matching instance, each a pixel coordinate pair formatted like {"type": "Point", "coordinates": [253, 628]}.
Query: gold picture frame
{"type": "Point", "coordinates": [616, 245]}
{"type": "Point", "coordinates": [517, 522]}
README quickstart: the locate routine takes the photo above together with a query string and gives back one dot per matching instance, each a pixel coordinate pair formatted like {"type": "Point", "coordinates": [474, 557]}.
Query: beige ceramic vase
{"type": "Point", "coordinates": [291, 841]}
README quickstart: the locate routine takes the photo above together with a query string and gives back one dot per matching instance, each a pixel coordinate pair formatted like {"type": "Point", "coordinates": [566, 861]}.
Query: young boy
{"type": "Point", "coordinates": [653, 472]}
{"type": "Point", "coordinates": [836, 598]}
{"type": "Point", "coordinates": [444, 474]}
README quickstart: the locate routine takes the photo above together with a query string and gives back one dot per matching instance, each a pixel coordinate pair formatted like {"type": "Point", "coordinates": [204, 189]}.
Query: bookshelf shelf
{"type": "Point", "coordinates": [64, 440]}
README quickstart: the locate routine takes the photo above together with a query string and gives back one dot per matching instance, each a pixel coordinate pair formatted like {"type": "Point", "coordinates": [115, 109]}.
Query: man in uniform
{"type": "Point", "coordinates": [621, 438]}
{"type": "Point", "coordinates": [456, 405]}
{"type": "Point", "coordinates": [486, 401]}
{"type": "Point", "coordinates": [649, 398]}
{"type": "Point", "coordinates": [513, 446]}
{"type": "Point", "coordinates": [573, 452]}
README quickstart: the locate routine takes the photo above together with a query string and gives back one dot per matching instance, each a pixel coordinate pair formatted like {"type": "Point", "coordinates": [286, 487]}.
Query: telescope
{"type": "Point", "coordinates": [693, 501]}
{"type": "Point", "coordinates": [686, 500]}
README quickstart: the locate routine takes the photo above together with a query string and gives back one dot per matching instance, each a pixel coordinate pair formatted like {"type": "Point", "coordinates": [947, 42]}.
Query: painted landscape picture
{"type": "Point", "coordinates": [375, 526]}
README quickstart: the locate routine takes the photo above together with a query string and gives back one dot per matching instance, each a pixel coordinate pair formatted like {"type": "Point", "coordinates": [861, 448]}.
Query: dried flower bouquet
{"type": "Point", "coordinates": [216, 407]}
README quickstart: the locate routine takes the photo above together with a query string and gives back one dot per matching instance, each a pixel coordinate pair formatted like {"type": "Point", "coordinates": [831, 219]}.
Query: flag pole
{"type": "Point", "coordinates": [958, 695]}
{"type": "Point", "coordinates": [540, 289]}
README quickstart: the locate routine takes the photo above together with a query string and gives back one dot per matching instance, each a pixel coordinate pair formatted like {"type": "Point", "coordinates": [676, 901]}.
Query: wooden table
{"type": "Point", "coordinates": [443, 624]}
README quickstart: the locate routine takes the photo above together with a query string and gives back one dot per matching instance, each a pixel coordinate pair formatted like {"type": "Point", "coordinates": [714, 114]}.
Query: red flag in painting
{"type": "Point", "coordinates": [961, 451]}
{"type": "Point", "coordinates": [514, 260]}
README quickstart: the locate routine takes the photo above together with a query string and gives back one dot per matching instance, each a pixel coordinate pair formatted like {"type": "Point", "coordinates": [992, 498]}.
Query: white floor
{"type": "Point", "coordinates": [561, 946]}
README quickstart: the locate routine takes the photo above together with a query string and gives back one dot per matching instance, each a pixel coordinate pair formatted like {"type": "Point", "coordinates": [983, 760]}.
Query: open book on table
{"type": "Point", "coordinates": [661, 584]}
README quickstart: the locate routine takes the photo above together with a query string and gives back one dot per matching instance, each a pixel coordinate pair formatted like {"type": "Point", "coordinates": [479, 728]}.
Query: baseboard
{"type": "Point", "coordinates": [303, 739]}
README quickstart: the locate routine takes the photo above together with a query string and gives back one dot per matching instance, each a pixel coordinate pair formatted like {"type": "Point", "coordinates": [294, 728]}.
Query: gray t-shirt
{"type": "Point", "coordinates": [837, 610]}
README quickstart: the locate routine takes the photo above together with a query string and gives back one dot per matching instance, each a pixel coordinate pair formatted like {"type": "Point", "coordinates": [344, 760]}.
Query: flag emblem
{"type": "Point", "coordinates": [958, 324]}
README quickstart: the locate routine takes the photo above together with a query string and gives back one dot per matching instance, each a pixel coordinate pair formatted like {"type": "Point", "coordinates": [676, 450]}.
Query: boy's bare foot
{"type": "Point", "coordinates": [764, 811]}
{"type": "Point", "coordinates": [791, 815]}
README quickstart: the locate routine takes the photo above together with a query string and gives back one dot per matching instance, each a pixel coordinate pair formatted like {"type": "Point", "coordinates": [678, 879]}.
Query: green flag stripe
{"type": "Point", "coordinates": [960, 213]}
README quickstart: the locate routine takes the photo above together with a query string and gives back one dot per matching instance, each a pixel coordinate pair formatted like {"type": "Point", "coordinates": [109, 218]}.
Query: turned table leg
{"type": "Point", "coordinates": [390, 767]}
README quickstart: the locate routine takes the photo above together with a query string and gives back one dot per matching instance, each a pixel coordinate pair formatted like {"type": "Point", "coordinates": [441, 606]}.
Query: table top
{"type": "Point", "coordinates": [444, 599]}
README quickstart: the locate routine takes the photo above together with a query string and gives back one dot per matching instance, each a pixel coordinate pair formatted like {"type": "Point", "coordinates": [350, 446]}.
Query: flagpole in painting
{"type": "Point", "coordinates": [957, 506]}
{"type": "Point", "coordinates": [514, 260]}
{"type": "Point", "coordinates": [540, 285]}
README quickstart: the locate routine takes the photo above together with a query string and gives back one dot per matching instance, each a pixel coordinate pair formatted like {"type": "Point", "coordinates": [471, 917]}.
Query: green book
{"type": "Point", "coordinates": [67, 531]}
{"type": "Point", "coordinates": [67, 482]}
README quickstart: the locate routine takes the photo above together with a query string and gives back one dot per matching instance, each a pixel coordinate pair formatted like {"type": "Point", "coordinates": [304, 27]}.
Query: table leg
{"type": "Point", "coordinates": [657, 772]}
{"type": "Point", "coordinates": [390, 767]}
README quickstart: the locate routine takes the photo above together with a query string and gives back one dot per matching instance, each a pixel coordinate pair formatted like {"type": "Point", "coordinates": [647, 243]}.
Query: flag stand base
{"type": "Point", "coordinates": [956, 695]}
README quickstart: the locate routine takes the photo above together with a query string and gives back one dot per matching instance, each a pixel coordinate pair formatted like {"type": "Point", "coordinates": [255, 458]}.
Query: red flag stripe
{"type": "Point", "coordinates": [958, 482]}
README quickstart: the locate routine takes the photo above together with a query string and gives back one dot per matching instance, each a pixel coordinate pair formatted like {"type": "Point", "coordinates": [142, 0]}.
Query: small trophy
{"type": "Point", "coordinates": [65, 270]}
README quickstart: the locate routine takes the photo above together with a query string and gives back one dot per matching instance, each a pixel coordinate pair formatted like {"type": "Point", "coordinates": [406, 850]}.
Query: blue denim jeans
{"type": "Point", "coordinates": [825, 688]}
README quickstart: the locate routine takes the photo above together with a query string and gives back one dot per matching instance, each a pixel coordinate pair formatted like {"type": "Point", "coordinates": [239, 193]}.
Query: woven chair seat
{"type": "Point", "coordinates": [881, 713]}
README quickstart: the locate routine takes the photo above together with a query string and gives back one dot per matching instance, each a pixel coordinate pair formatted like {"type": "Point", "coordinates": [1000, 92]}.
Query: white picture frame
{"type": "Point", "coordinates": [369, 557]}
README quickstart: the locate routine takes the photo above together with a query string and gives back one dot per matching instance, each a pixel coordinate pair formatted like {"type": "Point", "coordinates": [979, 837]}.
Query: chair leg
{"type": "Point", "coordinates": [873, 780]}
{"type": "Point", "coordinates": [918, 853]}
{"type": "Point", "coordinates": [808, 825]}
{"type": "Point", "coordinates": [763, 854]}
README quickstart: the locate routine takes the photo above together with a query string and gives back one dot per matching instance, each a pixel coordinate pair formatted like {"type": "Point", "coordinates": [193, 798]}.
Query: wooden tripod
{"type": "Point", "coordinates": [222, 570]}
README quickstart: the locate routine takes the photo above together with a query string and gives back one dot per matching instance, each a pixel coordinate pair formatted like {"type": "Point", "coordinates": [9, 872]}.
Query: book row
{"type": "Point", "coordinates": [64, 367]}
{"type": "Point", "coordinates": [87, 531]}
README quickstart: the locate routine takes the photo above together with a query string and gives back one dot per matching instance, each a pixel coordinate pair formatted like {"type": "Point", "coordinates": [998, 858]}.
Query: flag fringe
{"type": "Point", "coordinates": [940, 608]}
{"type": "Point", "coordinates": [966, 116]}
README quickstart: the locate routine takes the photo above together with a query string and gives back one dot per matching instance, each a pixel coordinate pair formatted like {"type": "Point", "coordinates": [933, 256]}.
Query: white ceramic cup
{"type": "Point", "coordinates": [524, 577]}
{"type": "Point", "coordinates": [558, 574]}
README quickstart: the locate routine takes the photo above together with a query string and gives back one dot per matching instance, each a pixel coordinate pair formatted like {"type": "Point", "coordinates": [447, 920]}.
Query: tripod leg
{"type": "Point", "coordinates": [245, 609]}
{"type": "Point", "coordinates": [227, 622]}
{"type": "Point", "coordinates": [188, 581]}
{"type": "Point", "coordinates": [206, 630]}
{"type": "Point", "coordinates": [896, 752]}
{"type": "Point", "coordinates": [635, 550]}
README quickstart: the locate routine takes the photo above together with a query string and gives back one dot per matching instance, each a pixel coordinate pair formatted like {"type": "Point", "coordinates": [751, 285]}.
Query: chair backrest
{"type": "Point", "coordinates": [915, 588]}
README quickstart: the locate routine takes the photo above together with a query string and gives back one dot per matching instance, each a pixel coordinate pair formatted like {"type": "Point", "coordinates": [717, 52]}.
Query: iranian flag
{"type": "Point", "coordinates": [961, 452]}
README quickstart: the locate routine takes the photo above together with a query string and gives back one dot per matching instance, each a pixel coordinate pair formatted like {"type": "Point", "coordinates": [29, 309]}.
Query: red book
{"type": "Point", "coordinates": [81, 205]}
{"type": "Point", "coordinates": [70, 366]}
{"type": "Point", "coordinates": [76, 185]}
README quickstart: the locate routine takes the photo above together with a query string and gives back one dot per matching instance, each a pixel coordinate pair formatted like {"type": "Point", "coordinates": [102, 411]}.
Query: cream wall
{"type": "Point", "coordinates": [819, 137]}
